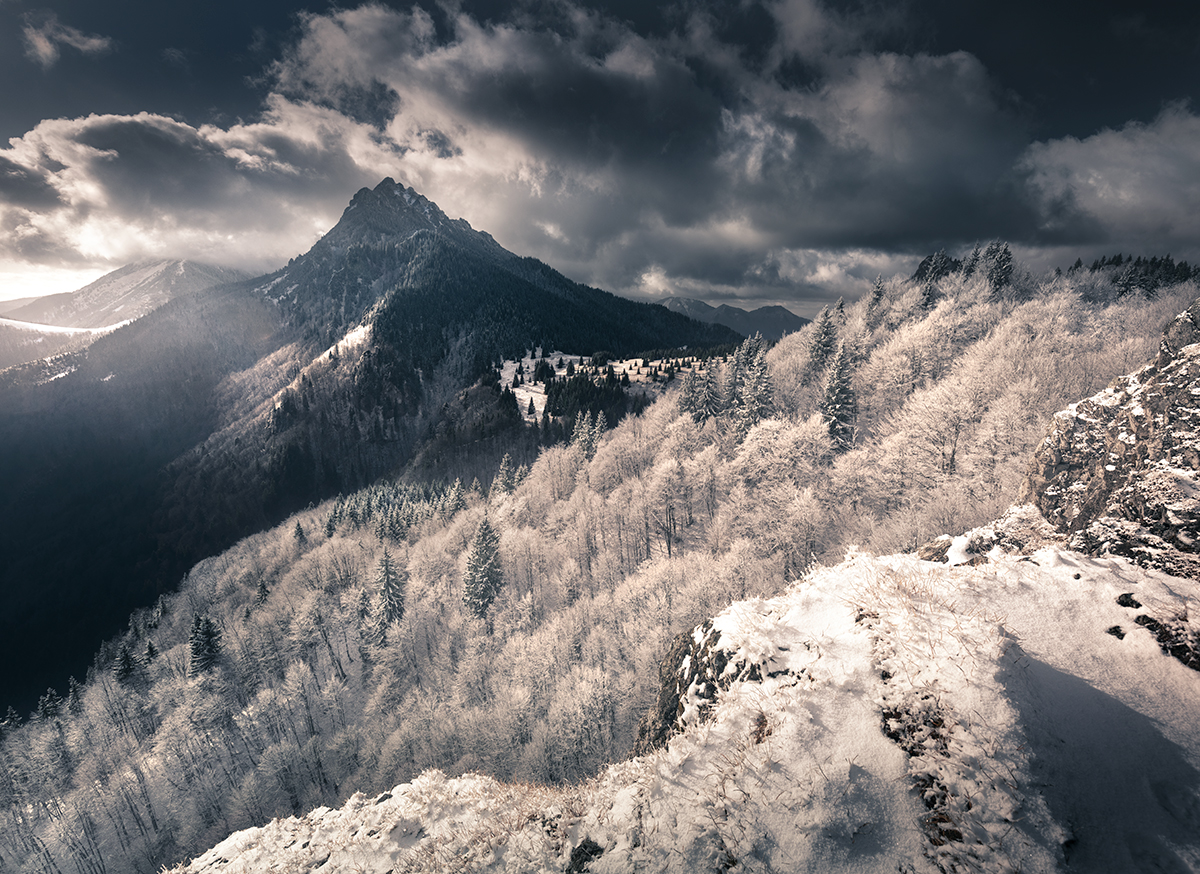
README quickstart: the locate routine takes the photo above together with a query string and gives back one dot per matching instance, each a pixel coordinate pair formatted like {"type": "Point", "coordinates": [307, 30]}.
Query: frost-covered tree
{"type": "Point", "coordinates": [712, 393]}
{"type": "Point", "coordinates": [504, 481]}
{"type": "Point", "coordinates": [204, 645]}
{"type": "Point", "coordinates": [875, 303]}
{"type": "Point", "coordinates": [389, 583]}
{"type": "Point", "coordinates": [689, 394]}
{"type": "Point", "coordinates": [49, 704]}
{"type": "Point", "coordinates": [998, 264]}
{"type": "Point", "coordinates": [758, 392]}
{"type": "Point", "coordinates": [484, 577]}
{"type": "Point", "coordinates": [839, 406]}
{"type": "Point", "coordinates": [125, 666]}
{"type": "Point", "coordinates": [587, 433]}
{"type": "Point", "coordinates": [822, 343]}
{"type": "Point", "coordinates": [455, 499]}
{"type": "Point", "coordinates": [972, 263]}
{"type": "Point", "coordinates": [74, 696]}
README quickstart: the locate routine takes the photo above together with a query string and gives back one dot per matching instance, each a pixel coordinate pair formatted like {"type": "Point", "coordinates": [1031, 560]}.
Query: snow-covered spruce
{"type": "Point", "coordinates": [904, 716]}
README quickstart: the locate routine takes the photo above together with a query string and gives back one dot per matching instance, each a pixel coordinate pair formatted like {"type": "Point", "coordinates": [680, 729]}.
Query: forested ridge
{"type": "Point", "coordinates": [514, 626]}
{"type": "Point", "coordinates": [225, 410]}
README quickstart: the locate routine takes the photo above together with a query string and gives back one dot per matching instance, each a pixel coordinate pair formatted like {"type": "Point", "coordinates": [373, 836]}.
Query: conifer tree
{"type": "Point", "coordinates": [712, 393]}
{"type": "Point", "coordinates": [389, 581]}
{"type": "Point", "coordinates": [74, 696]}
{"type": "Point", "coordinates": [124, 666]}
{"type": "Point", "coordinates": [839, 406]}
{"type": "Point", "coordinates": [972, 263]}
{"type": "Point", "coordinates": [875, 303]}
{"type": "Point", "coordinates": [689, 395]}
{"type": "Point", "coordinates": [587, 433]}
{"type": "Point", "coordinates": [504, 476]}
{"type": "Point", "coordinates": [204, 646]}
{"type": "Point", "coordinates": [298, 534]}
{"type": "Point", "coordinates": [757, 394]}
{"type": "Point", "coordinates": [11, 720]}
{"type": "Point", "coordinates": [49, 704]}
{"type": "Point", "coordinates": [455, 499]}
{"type": "Point", "coordinates": [484, 577]}
{"type": "Point", "coordinates": [929, 294]}
{"type": "Point", "coordinates": [821, 346]}
{"type": "Point", "coordinates": [998, 264]}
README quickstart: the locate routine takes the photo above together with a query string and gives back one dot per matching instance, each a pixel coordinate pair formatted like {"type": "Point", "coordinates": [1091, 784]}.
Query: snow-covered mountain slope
{"type": "Point", "coordinates": [28, 341]}
{"type": "Point", "coordinates": [125, 294]}
{"type": "Point", "coordinates": [887, 714]}
{"type": "Point", "coordinates": [1005, 703]}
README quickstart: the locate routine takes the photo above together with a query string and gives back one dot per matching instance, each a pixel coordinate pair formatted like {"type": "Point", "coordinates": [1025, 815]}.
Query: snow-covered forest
{"type": "Point", "coordinates": [515, 627]}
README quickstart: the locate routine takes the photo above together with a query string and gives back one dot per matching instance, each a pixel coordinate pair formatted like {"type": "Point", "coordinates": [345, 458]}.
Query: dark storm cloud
{"type": "Point", "coordinates": [766, 150]}
{"type": "Point", "coordinates": [681, 153]}
{"type": "Point", "coordinates": [25, 187]}
{"type": "Point", "coordinates": [1138, 185]}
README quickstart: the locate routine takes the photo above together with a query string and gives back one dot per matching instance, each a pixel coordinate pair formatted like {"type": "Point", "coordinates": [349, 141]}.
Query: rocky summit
{"type": "Point", "coordinates": [1118, 471]}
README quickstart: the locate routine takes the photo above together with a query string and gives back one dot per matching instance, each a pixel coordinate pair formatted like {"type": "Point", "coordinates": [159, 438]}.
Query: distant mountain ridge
{"type": "Point", "coordinates": [127, 293]}
{"type": "Point", "coordinates": [773, 322]}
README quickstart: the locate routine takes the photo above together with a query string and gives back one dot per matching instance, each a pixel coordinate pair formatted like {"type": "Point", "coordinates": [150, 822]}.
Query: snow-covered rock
{"type": "Point", "coordinates": [1118, 471]}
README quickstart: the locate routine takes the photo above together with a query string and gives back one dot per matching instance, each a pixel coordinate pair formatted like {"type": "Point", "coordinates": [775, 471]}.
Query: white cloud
{"type": "Point", "coordinates": [42, 41]}
{"type": "Point", "coordinates": [1139, 184]}
{"type": "Point", "coordinates": [130, 187]}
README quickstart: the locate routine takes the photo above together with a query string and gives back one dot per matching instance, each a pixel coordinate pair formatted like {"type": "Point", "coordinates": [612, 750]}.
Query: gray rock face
{"type": "Point", "coordinates": [1118, 472]}
{"type": "Point", "coordinates": [659, 723]}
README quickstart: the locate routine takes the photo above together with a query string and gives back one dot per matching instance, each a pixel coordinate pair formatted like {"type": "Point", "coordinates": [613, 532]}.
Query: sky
{"type": "Point", "coordinates": [752, 152]}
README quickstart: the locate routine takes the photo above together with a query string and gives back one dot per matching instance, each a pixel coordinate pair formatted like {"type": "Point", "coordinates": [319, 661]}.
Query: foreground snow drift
{"type": "Point", "coordinates": [887, 714]}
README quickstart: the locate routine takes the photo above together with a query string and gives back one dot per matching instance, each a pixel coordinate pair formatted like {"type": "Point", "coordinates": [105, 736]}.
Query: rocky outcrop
{"type": "Point", "coordinates": [1118, 472]}
{"type": "Point", "coordinates": [696, 668]}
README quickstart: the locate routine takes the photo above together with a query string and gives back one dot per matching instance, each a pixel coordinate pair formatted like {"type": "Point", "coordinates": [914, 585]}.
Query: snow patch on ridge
{"type": "Point", "coordinates": [887, 714]}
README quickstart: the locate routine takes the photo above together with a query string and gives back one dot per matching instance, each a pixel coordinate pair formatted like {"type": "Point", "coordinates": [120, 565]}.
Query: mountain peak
{"type": "Point", "coordinates": [391, 212]}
